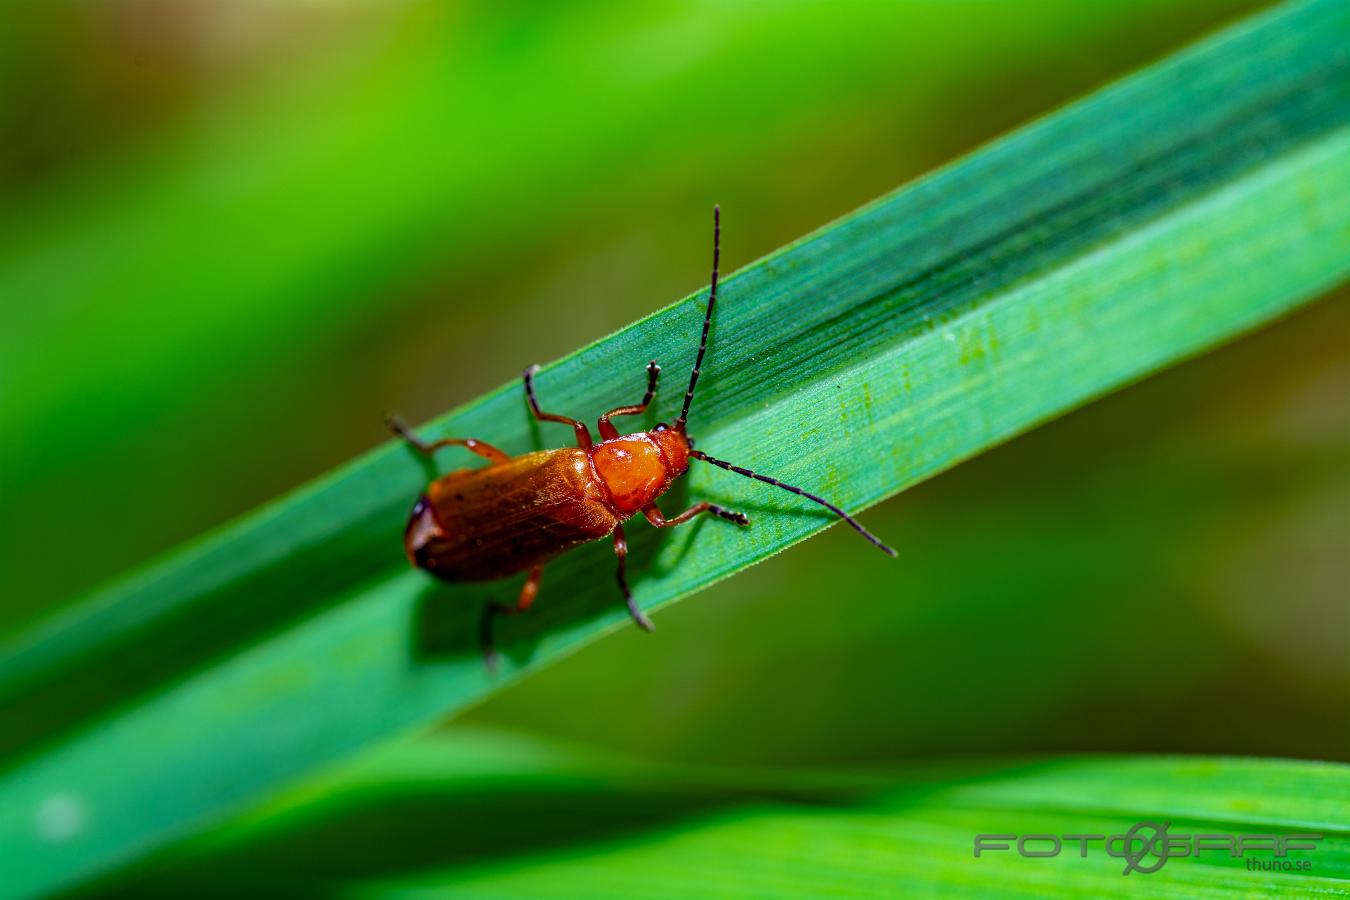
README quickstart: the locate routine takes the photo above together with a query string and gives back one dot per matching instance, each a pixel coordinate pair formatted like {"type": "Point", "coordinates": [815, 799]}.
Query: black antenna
{"type": "Point", "coordinates": [707, 320]}
{"type": "Point", "coordinates": [857, 526]}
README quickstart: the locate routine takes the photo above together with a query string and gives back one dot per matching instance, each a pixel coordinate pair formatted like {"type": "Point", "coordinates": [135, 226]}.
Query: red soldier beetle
{"type": "Point", "coordinates": [518, 513]}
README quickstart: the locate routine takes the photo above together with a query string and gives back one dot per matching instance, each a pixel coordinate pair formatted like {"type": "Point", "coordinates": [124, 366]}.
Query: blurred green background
{"type": "Point", "coordinates": [235, 233]}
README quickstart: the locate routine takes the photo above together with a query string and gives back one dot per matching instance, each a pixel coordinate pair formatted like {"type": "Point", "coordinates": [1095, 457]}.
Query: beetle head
{"type": "Point", "coordinates": [675, 446]}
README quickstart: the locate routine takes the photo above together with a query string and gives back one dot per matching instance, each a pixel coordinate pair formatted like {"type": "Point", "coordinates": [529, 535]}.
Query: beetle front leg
{"type": "Point", "coordinates": [653, 514]}
{"type": "Point", "coordinates": [607, 430]}
{"type": "Point", "coordinates": [527, 594]}
{"type": "Point", "coordinates": [621, 551]}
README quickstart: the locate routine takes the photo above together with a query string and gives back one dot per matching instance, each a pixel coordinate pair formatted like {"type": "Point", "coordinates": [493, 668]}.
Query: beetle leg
{"type": "Point", "coordinates": [621, 551]}
{"type": "Point", "coordinates": [473, 445]}
{"type": "Point", "coordinates": [527, 594]}
{"type": "Point", "coordinates": [608, 431]}
{"type": "Point", "coordinates": [653, 514]}
{"type": "Point", "coordinates": [583, 435]}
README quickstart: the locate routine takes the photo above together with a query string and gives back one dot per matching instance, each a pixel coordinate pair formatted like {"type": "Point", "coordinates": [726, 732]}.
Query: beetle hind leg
{"type": "Point", "coordinates": [493, 609]}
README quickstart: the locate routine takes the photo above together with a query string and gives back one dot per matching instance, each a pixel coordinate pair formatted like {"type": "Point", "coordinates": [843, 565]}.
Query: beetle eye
{"type": "Point", "coordinates": [661, 426]}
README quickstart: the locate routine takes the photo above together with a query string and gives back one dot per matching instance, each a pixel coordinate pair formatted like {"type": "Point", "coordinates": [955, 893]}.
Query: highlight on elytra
{"type": "Point", "coordinates": [519, 512]}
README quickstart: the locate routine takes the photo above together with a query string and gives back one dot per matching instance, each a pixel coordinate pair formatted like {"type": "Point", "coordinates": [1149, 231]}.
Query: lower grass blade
{"type": "Point", "coordinates": [1199, 199]}
{"type": "Point", "coordinates": [482, 814]}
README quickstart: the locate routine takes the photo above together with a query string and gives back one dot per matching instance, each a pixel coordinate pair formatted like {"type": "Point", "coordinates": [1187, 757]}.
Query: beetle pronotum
{"type": "Point", "coordinates": [518, 512]}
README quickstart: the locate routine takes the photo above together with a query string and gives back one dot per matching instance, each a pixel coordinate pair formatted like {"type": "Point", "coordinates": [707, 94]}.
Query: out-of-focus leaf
{"type": "Point", "coordinates": [483, 814]}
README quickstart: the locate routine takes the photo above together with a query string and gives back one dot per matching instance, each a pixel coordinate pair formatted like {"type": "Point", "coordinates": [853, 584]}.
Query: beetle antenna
{"type": "Point", "coordinates": [857, 526]}
{"type": "Point", "coordinates": [707, 321]}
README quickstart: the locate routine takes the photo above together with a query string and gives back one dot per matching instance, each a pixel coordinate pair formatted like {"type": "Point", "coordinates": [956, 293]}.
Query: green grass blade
{"type": "Point", "coordinates": [1197, 200]}
{"type": "Point", "coordinates": [482, 813]}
